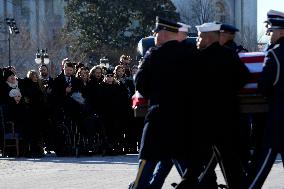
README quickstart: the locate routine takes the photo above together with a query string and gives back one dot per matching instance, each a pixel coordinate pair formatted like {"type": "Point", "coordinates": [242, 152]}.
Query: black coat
{"type": "Point", "coordinates": [271, 84]}
{"type": "Point", "coordinates": [63, 99]}
{"type": "Point", "coordinates": [215, 106]}
{"type": "Point", "coordinates": [59, 88]}
{"type": "Point", "coordinates": [237, 48]}
{"type": "Point", "coordinates": [162, 78]}
{"type": "Point", "coordinates": [111, 100]}
{"type": "Point", "coordinates": [19, 114]}
{"type": "Point", "coordinates": [5, 89]}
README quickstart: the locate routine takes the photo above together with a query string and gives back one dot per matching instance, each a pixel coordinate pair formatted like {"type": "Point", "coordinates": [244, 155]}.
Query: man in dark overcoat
{"type": "Point", "coordinates": [162, 78]}
{"type": "Point", "coordinates": [63, 87]}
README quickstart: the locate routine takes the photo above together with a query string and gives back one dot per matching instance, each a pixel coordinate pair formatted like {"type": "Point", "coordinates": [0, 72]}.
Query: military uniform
{"type": "Point", "coordinates": [228, 33]}
{"type": "Point", "coordinates": [215, 109]}
{"type": "Point", "coordinates": [271, 85]}
{"type": "Point", "coordinates": [230, 29]}
{"type": "Point", "coordinates": [237, 48]}
{"type": "Point", "coordinates": [162, 78]}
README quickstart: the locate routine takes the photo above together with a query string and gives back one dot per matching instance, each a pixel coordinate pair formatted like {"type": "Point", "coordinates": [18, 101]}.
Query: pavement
{"type": "Point", "coordinates": [96, 172]}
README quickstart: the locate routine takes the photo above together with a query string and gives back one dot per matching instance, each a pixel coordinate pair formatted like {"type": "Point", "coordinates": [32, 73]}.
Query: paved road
{"type": "Point", "coordinates": [89, 173]}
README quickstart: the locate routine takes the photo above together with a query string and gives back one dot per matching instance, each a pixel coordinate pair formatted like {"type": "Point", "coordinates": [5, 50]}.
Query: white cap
{"type": "Point", "coordinates": [14, 93]}
{"type": "Point", "coordinates": [184, 27]}
{"type": "Point", "coordinates": [208, 27]}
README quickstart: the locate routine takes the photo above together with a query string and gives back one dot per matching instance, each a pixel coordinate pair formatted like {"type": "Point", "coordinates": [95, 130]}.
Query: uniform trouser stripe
{"type": "Point", "coordinates": [209, 168]}
{"type": "Point", "coordinates": [140, 170]}
{"type": "Point", "coordinates": [264, 169]}
{"type": "Point", "coordinates": [220, 161]}
{"type": "Point", "coordinates": [179, 169]}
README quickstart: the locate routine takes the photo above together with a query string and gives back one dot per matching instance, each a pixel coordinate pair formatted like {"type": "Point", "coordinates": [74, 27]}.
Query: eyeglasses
{"type": "Point", "coordinates": [109, 75]}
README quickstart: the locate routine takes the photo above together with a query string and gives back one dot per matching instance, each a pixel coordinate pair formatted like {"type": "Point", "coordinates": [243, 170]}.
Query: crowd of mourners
{"type": "Point", "coordinates": [96, 102]}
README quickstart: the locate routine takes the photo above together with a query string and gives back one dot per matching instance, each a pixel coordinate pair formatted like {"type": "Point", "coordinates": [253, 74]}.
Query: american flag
{"type": "Point", "coordinates": [254, 62]}
{"type": "Point", "coordinates": [138, 100]}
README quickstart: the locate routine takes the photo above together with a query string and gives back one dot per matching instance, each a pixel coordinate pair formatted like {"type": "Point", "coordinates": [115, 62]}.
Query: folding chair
{"type": "Point", "coordinates": [11, 139]}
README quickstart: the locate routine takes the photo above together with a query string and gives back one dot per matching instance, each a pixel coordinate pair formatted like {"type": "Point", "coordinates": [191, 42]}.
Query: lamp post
{"type": "Point", "coordinates": [104, 62]}
{"type": "Point", "coordinates": [42, 56]}
{"type": "Point", "coordinates": [13, 29]}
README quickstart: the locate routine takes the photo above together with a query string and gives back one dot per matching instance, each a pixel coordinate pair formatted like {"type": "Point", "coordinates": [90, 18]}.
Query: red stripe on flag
{"type": "Point", "coordinates": [248, 58]}
{"type": "Point", "coordinates": [139, 102]}
{"type": "Point", "coordinates": [248, 91]}
{"type": "Point", "coordinates": [252, 59]}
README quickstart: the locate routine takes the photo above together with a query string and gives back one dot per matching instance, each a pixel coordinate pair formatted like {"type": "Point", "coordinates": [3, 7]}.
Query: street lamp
{"type": "Point", "coordinates": [42, 56]}
{"type": "Point", "coordinates": [13, 29]}
{"type": "Point", "coordinates": [104, 62]}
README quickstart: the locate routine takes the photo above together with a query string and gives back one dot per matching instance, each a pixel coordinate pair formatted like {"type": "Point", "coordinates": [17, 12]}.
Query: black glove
{"type": "Point", "coordinates": [184, 184]}
{"type": "Point", "coordinates": [131, 185]}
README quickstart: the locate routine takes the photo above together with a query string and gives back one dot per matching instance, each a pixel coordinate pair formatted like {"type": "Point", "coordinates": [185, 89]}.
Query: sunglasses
{"type": "Point", "coordinates": [109, 75]}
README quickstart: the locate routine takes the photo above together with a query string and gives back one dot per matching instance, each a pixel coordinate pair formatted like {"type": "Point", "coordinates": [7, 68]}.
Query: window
{"type": "Point", "coordinates": [221, 12]}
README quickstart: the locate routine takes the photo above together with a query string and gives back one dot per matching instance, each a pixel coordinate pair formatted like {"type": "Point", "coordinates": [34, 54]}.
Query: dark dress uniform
{"type": "Point", "coordinates": [246, 120]}
{"type": "Point", "coordinates": [162, 79]}
{"type": "Point", "coordinates": [216, 112]}
{"type": "Point", "coordinates": [230, 29]}
{"type": "Point", "coordinates": [237, 48]}
{"type": "Point", "coordinates": [270, 84]}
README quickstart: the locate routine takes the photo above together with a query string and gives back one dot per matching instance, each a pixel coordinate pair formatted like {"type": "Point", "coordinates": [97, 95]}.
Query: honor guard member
{"type": "Point", "coordinates": [161, 78]}
{"type": "Point", "coordinates": [216, 109]}
{"type": "Point", "coordinates": [227, 36]}
{"type": "Point", "coordinates": [164, 166]}
{"type": "Point", "coordinates": [271, 85]}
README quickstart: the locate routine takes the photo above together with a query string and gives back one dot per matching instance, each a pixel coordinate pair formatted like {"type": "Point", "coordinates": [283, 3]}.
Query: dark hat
{"type": "Point", "coordinates": [7, 73]}
{"type": "Point", "coordinates": [275, 23]}
{"type": "Point", "coordinates": [274, 14]}
{"type": "Point", "coordinates": [275, 20]}
{"type": "Point", "coordinates": [228, 28]}
{"type": "Point", "coordinates": [163, 24]}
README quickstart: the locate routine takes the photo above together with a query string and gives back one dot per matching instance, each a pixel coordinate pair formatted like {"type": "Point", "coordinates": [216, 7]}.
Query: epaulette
{"type": "Point", "coordinates": [153, 48]}
{"type": "Point", "coordinates": [150, 51]}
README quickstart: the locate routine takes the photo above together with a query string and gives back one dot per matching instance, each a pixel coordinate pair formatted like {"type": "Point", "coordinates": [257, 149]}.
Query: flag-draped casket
{"type": "Point", "coordinates": [254, 62]}
{"type": "Point", "coordinates": [251, 101]}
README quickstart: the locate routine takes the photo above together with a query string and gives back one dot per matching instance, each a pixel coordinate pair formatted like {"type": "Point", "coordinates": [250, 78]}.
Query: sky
{"type": "Point", "coordinates": [263, 6]}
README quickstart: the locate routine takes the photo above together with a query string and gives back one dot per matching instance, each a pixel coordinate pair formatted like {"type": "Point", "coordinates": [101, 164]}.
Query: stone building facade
{"type": "Point", "coordinates": [241, 13]}
{"type": "Point", "coordinates": [40, 20]}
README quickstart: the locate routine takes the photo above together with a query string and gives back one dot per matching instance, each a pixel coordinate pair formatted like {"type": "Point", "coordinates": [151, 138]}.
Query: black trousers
{"type": "Point", "coordinates": [200, 174]}
{"type": "Point", "coordinates": [265, 164]}
{"type": "Point", "coordinates": [199, 157]}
